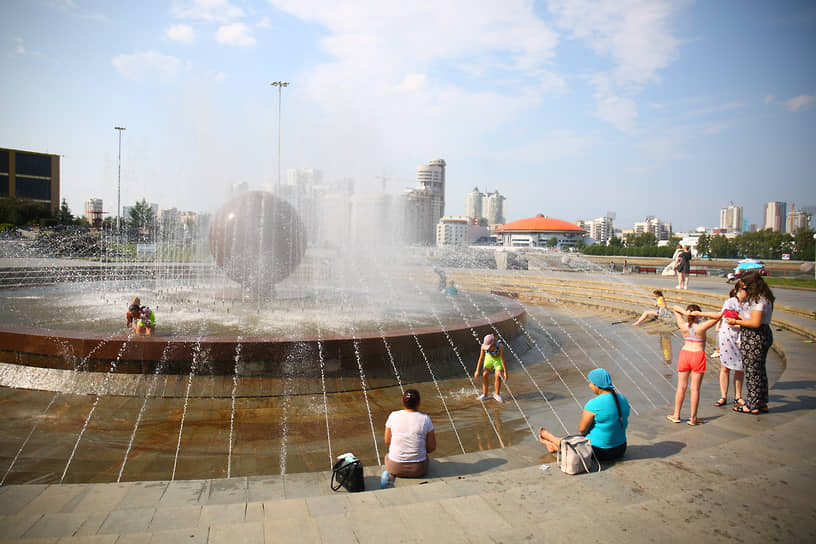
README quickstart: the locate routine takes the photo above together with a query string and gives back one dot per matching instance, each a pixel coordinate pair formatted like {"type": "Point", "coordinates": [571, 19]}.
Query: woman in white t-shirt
{"type": "Point", "coordinates": [409, 435]}
{"type": "Point", "coordinates": [756, 339]}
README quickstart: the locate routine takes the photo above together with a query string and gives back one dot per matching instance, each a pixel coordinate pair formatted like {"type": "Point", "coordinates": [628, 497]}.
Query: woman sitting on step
{"type": "Point", "coordinates": [604, 420]}
{"type": "Point", "coordinates": [409, 435]}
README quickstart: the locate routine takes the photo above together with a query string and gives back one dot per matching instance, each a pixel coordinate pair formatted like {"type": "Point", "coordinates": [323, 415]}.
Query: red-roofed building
{"type": "Point", "coordinates": [537, 231]}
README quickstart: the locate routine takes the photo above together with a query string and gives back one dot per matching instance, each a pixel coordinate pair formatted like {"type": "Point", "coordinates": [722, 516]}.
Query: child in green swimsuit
{"type": "Point", "coordinates": [491, 357]}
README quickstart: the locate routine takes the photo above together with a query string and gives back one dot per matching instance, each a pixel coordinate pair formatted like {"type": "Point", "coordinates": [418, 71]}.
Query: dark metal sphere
{"type": "Point", "coordinates": [258, 239]}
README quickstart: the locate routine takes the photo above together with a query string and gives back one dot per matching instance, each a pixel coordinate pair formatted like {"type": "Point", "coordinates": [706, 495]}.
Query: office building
{"type": "Point", "coordinates": [600, 229]}
{"type": "Point", "coordinates": [661, 229]}
{"type": "Point", "coordinates": [731, 218]}
{"type": "Point", "coordinates": [797, 220]}
{"type": "Point", "coordinates": [459, 231]}
{"type": "Point", "coordinates": [474, 203]}
{"type": "Point", "coordinates": [494, 208]}
{"type": "Point", "coordinates": [775, 213]}
{"type": "Point", "coordinates": [93, 211]}
{"type": "Point", "coordinates": [30, 175]}
{"type": "Point", "coordinates": [424, 205]}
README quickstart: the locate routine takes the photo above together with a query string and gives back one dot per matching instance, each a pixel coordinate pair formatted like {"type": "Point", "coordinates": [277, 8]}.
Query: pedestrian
{"type": "Point", "coordinates": [683, 267]}
{"type": "Point", "coordinates": [409, 435]}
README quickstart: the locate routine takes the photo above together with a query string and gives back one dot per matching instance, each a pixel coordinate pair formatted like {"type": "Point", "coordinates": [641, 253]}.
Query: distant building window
{"type": "Point", "coordinates": [4, 161]}
{"type": "Point", "coordinates": [4, 185]}
{"type": "Point", "coordinates": [37, 189]}
{"type": "Point", "coordinates": [28, 164]}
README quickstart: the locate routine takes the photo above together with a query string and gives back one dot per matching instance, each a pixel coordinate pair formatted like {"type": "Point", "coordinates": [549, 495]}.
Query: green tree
{"type": "Point", "coordinates": [703, 245]}
{"type": "Point", "coordinates": [552, 242]}
{"type": "Point", "coordinates": [720, 246]}
{"type": "Point", "coordinates": [64, 215]}
{"type": "Point", "coordinates": [615, 242]}
{"type": "Point", "coordinates": [803, 244]}
{"type": "Point", "coordinates": [141, 222]}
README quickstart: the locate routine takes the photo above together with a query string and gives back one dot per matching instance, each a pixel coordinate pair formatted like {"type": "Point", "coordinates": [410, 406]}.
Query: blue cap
{"type": "Point", "coordinates": [601, 378]}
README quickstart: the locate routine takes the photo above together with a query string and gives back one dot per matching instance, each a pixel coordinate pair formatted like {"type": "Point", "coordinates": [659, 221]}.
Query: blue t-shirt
{"type": "Point", "coordinates": [607, 432]}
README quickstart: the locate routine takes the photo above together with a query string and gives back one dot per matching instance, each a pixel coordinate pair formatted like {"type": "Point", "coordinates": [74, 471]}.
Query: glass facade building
{"type": "Point", "coordinates": [26, 174]}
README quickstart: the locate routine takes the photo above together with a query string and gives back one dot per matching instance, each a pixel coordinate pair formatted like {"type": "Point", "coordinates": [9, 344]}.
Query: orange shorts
{"type": "Point", "coordinates": [691, 360]}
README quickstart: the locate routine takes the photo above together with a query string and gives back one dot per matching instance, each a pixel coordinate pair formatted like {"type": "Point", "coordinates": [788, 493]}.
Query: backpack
{"type": "Point", "coordinates": [575, 455]}
{"type": "Point", "coordinates": [348, 472]}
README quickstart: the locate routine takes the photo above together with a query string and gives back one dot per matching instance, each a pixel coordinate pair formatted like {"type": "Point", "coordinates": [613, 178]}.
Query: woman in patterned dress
{"type": "Point", "coordinates": [756, 339]}
{"type": "Point", "coordinates": [728, 342]}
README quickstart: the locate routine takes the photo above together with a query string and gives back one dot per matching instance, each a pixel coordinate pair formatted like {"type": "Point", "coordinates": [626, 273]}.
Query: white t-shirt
{"type": "Point", "coordinates": [762, 305]}
{"type": "Point", "coordinates": [408, 431]}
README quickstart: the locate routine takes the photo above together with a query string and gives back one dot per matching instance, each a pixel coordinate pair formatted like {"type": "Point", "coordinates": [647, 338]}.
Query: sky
{"type": "Point", "coordinates": [569, 108]}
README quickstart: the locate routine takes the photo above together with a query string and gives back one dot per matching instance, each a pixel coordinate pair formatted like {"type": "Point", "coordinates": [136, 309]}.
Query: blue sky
{"type": "Point", "coordinates": [570, 108]}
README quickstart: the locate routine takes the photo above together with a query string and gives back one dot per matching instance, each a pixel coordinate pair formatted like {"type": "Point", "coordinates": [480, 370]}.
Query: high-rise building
{"type": "Point", "coordinates": [600, 229]}
{"type": "Point", "coordinates": [424, 205]}
{"type": "Point", "coordinates": [35, 176]}
{"type": "Point", "coordinates": [775, 213]}
{"type": "Point", "coordinates": [796, 220]}
{"type": "Point", "coordinates": [93, 211]}
{"type": "Point", "coordinates": [731, 218]}
{"type": "Point", "coordinates": [660, 229]}
{"type": "Point", "coordinates": [474, 204]}
{"type": "Point", "coordinates": [493, 208]}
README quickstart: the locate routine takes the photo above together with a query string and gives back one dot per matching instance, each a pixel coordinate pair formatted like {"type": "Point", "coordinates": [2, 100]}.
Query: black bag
{"type": "Point", "coordinates": [348, 472]}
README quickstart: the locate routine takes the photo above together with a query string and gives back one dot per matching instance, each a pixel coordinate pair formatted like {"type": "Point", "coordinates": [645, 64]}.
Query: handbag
{"type": "Point", "coordinates": [575, 455]}
{"type": "Point", "coordinates": [348, 472]}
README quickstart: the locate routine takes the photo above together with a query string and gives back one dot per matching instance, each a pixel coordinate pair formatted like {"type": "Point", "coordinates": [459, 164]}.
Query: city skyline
{"type": "Point", "coordinates": [570, 108]}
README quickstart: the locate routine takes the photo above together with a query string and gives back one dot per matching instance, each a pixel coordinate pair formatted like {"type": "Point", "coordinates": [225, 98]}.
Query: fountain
{"type": "Point", "coordinates": [267, 324]}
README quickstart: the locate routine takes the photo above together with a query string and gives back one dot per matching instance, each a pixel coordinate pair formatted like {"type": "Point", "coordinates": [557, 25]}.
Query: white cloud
{"type": "Point", "coordinates": [264, 22]}
{"type": "Point", "coordinates": [19, 48]}
{"type": "Point", "coordinates": [148, 64]}
{"type": "Point", "coordinates": [220, 76]}
{"type": "Point", "coordinates": [237, 34]}
{"type": "Point", "coordinates": [406, 72]}
{"type": "Point", "coordinates": [634, 35]}
{"type": "Point", "coordinates": [803, 102]}
{"type": "Point", "coordinates": [769, 98]}
{"type": "Point", "coordinates": [219, 11]}
{"type": "Point", "coordinates": [181, 33]}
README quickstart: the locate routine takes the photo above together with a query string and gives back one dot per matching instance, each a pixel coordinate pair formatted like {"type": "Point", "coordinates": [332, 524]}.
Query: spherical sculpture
{"type": "Point", "coordinates": [258, 239]}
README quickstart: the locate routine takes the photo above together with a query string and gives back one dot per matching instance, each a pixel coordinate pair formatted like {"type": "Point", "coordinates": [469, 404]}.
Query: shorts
{"type": "Point", "coordinates": [691, 360]}
{"type": "Point", "coordinates": [493, 364]}
{"type": "Point", "coordinates": [407, 470]}
{"type": "Point", "coordinates": [609, 454]}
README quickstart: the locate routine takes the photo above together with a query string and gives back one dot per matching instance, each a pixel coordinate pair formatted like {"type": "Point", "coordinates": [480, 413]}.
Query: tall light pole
{"type": "Point", "coordinates": [280, 85]}
{"type": "Point", "coordinates": [119, 184]}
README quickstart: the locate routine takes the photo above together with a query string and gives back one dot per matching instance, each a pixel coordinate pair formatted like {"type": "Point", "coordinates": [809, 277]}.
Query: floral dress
{"type": "Point", "coordinates": [729, 337]}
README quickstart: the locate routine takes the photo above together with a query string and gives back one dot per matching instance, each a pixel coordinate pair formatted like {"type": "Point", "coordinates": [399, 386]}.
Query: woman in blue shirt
{"type": "Point", "coordinates": [604, 420]}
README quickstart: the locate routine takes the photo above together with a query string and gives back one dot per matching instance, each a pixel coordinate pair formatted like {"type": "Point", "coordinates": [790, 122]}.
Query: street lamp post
{"type": "Point", "coordinates": [280, 85]}
{"type": "Point", "coordinates": [119, 184]}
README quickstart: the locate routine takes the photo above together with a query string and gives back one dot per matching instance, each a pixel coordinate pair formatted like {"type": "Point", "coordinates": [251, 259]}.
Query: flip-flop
{"type": "Point", "coordinates": [674, 419]}
{"type": "Point", "coordinates": [722, 402]}
{"type": "Point", "coordinates": [695, 423]}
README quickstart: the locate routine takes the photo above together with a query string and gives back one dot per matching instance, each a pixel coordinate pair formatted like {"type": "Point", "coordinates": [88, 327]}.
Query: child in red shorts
{"type": "Point", "coordinates": [692, 360]}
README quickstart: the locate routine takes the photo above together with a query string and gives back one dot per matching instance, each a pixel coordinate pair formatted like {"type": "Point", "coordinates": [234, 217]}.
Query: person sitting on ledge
{"type": "Point", "coordinates": [604, 420]}
{"type": "Point", "coordinates": [133, 311]}
{"type": "Point", "coordinates": [409, 435]}
{"type": "Point", "coordinates": [451, 289]}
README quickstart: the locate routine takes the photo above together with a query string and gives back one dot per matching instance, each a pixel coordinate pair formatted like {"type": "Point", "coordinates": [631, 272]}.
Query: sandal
{"type": "Point", "coordinates": [763, 409]}
{"type": "Point", "coordinates": [674, 419]}
{"type": "Point", "coordinates": [722, 402]}
{"type": "Point", "coordinates": [745, 410]}
{"type": "Point", "coordinates": [739, 401]}
{"type": "Point", "coordinates": [695, 422]}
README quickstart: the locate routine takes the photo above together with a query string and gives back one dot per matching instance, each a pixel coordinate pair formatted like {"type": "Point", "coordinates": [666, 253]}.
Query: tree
{"type": "Point", "coordinates": [803, 245]}
{"type": "Point", "coordinates": [703, 245]}
{"type": "Point", "coordinates": [552, 242]}
{"type": "Point", "coordinates": [615, 242]}
{"type": "Point", "coordinates": [141, 222]}
{"type": "Point", "coordinates": [720, 246]}
{"type": "Point", "coordinates": [64, 215]}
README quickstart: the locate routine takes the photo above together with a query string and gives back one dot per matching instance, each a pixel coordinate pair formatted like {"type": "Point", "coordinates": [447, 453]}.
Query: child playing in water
{"type": "Point", "coordinates": [133, 311]}
{"type": "Point", "coordinates": [661, 310]}
{"type": "Point", "coordinates": [146, 322]}
{"type": "Point", "coordinates": [492, 355]}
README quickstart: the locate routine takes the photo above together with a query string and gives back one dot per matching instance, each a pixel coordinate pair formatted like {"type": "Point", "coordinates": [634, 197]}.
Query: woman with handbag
{"type": "Point", "coordinates": [603, 421]}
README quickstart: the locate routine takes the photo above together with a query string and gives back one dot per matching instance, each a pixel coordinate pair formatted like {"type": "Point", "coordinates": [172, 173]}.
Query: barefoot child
{"type": "Point", "coordinates": [661, 310]}
{"type": "Point", "coordinates": [692, 360]}
{"type": "Point", "coordinates": [492, 355]}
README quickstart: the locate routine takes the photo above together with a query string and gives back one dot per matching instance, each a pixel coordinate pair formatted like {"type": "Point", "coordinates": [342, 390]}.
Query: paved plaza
{"type": "Point", "coordinates": [738, 478]}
